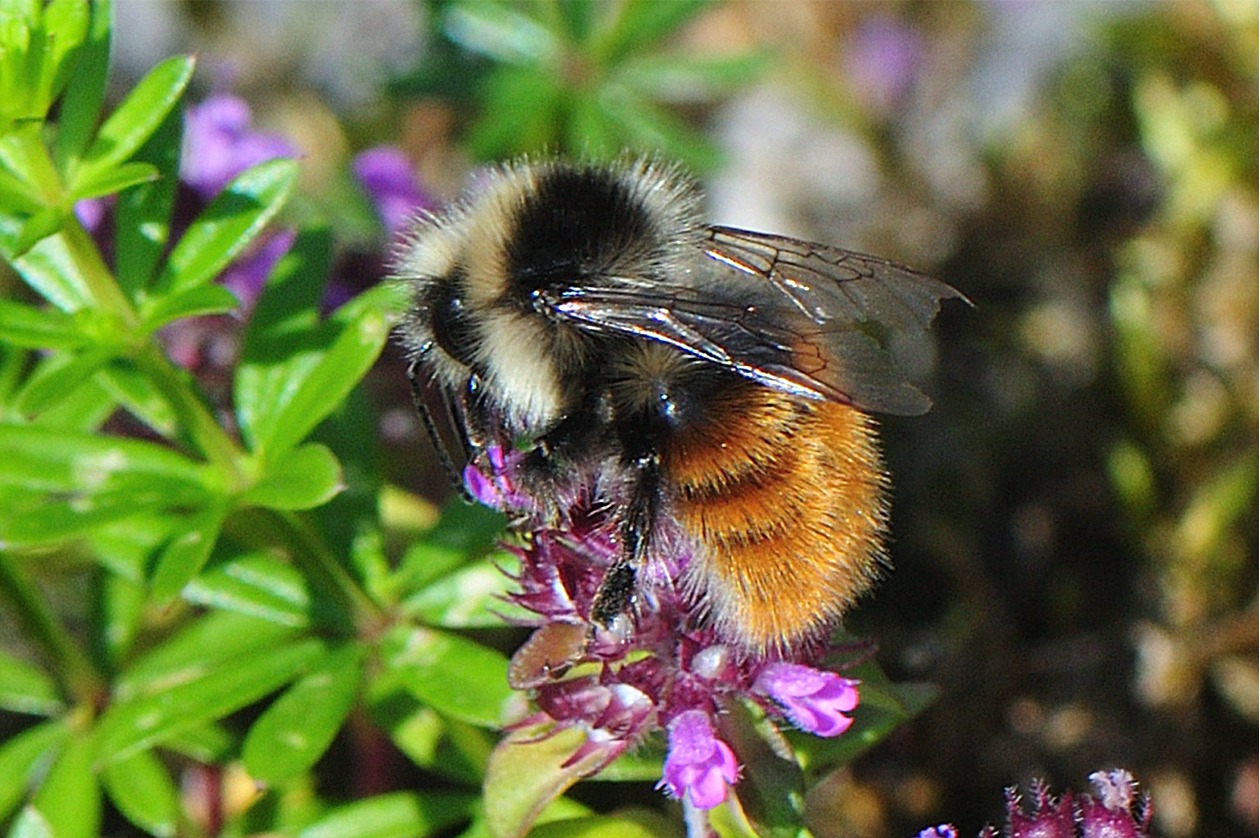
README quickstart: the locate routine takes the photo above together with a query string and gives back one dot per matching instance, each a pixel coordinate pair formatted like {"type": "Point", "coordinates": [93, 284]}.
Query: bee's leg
{"type": "Point", "coordinates": [616, 591]}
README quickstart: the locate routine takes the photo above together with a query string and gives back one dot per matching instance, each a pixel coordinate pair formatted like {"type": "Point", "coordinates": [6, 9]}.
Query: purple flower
{"type": "Point", "coordinates": [248, 274]}
{"type": "Point", "coordinates": [882, 60]}
{"type": "Point", "coordinates": [699, 766]}
{"type": "Point", "coordinates": [815, 700]}
{"type": "Point", "coordinates": [1119, 811]}
{"type": "Point", "coordinates": [220, 143]}
{"type": "Point", "coordinates": [390, 181]}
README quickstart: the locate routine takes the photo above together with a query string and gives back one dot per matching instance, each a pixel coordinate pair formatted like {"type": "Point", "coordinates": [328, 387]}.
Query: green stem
{"type": "Point", "coordinates": [195, 417]}
{"type": "Point", "coordinates": [78, 676]}
{"type": "Point", "coordinates": [311, 553]}
{"type": "Point", "coordinates": [96, 274]}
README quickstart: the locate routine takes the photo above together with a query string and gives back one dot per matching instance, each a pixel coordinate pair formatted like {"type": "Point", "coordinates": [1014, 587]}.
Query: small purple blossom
{"type": "Point", "coordinates": [813, 699]}
{"type": "Point", "coordinates": [882, 61]}
{"type": "Point", "coordinates": [248, 274]}
{"type": "Point", "coordinates": [700, 766]}
{"type": "Point", "coordinates": [942, 831]}
{"type": "Point", "coordinates": [390, 181]}
{"type": "Point", "coordinates": [1117, 811]}
{"type": "Point", "coordinates": [220, 143]}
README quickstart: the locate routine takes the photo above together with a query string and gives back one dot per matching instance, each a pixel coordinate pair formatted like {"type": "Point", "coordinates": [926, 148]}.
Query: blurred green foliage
{"type": "Point", "coordinates": [576, 78]}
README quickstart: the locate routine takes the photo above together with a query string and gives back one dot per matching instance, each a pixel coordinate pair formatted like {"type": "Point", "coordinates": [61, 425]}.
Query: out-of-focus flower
{"type": "Point", "coordinates": [1116, 810]}
{"type": "Point", "coordinates": [813, 699]}
{"type": "Point", "coordinates": [943, 831]}
{"type": "Point", "coordinates": [700, 766]}
{"type": "Point", "coordinates": [220, 142]}
{"type": "Point", "coordinates": [390, 181]}
{"type": "Point", "coordinates": [660, 668]}
{"type": "Point", "coordinates": [881, 61]}
{"type": "Point", "coordinates": [247, 275]}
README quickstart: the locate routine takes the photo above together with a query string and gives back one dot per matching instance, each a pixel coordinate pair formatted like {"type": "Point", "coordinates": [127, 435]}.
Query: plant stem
{"type": "Point", "coordinates": [311, 553]}
{"type": "Point", "coordinates": [211, 440]}
{"type": "Point", "coordinates": [78, 676]}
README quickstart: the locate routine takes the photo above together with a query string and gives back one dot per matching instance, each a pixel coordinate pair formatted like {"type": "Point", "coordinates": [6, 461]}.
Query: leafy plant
{"type": "Point", "coordinates": [238, 604]}
{"type": "Point", "coordinates": [575, 77]}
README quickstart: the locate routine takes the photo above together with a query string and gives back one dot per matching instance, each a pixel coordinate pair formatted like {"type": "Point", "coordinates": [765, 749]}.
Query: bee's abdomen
{"type": "Point", "coordinates": [785, 500]}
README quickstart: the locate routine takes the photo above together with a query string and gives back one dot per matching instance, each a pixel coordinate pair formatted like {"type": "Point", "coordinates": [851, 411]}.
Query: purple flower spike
{"type": "Point", "coordinates": [815, 700]}
{"type": "Point", "coordinates": [390, 181]}
{"type": "Point", "coordinates": [1119, 811]}
{"type": "Point", "coordinates": [699, 765]}
{"type": "Point", "coordinates": [220, 143]}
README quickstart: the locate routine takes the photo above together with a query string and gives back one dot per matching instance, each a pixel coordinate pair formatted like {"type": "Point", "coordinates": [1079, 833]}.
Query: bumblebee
{"type": "Point", "coordinates": [711, 387]}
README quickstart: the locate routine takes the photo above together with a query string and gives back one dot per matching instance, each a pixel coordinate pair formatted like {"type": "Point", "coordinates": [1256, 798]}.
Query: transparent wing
{"type": "Point", "coordinates": [806, 318]}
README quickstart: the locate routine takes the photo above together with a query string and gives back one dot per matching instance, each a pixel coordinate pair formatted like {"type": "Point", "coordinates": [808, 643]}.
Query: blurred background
{"type": "Point", "coordinates": [1075, 522]}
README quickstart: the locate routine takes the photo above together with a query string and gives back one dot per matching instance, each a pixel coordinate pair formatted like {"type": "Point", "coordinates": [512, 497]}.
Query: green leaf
{"type": "Point", "coordinates": [396, 815]}
{"type": "Point", "coordinates": [209, 743]}
{"type": "Point", "coordinates": [142, 214]}
{"type": "Point", "coordinates": [687, 78]}
{"type": "Point", "coordinates": [69, 798]}
{"type": "Point", "coordinates": [33, 328]}
{"type": "Point", "coordinates": [454, 675]}
{"type": "Point", "coordinates": [306, 477]}
{"type": "Point", "coordinates": [31, 824]}
{"type": "Point", "coordinates": [52, 460]}
{"type": "Point", "coordinates": [204, 299]}
{"type": "Point", "coordinates": [281, 399]}
{"type": "Point", "coordinates": [135, 119]}
{"type": "Point", "coordinates": [471, 597]}
{"type": "Point", "coordinates": [642, 24]}
{"type": "Point", "coordinates": [23, 755]}
{"type": "Point", "coordinates": [85, 89]}
{"type": "Point", "coordinates": [296, 730]}
{"type": "Point", "coordinates": [142, 789]}
{"type": "Point", "coordinates": [526, 773]}
{"type": "Point", "coordinates": [57, 376]}
{"type": "Point", "coordinates": [135, 392]}
{"type": "Point", "coordinates": [256, 584]}
{"type": "Point", "coordinates": [226, 227]}
{"type": "Point", "coordinates": [771, 790]}
{"type": "Point", "coordinates": [117, 613]}
{"type": "Point", "coordinates": [506, 129]}
{"type": "Point", "coordinates": [109, 181]}
{"type": "Point", "coordinates": [49, 267]}
{"type": "Point", "coordinates": [188, 552]}
{"type": "Point", "coordinates": [204, 645]}
{"type": "Point", "coordinates": [131, 726]}
{"type": "Point", "coordinates": [34, 520]}
{"type": "Point", "coordinates": [633, 824]}
{"type": "Point", "coordinates": [65, 24]}
{"type": "Point", "coordinates": [24, 688]}
{"type": "Point", "coordinates": [17, 197]}
{"type": "Point", "coordinates": [453, 750]}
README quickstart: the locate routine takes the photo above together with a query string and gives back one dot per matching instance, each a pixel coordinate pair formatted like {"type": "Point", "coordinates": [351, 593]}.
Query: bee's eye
{"type": "Point", "coordinates": [452, 326]}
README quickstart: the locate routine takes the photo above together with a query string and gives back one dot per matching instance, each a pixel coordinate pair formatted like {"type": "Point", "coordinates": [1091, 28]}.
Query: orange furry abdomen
{"type": "Point", "coordinates": [785, 499]}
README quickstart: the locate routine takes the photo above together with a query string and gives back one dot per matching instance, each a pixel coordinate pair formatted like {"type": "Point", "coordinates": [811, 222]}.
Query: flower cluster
{"type": "Point", "coordinates": [660, 668]}
{"type": "Point", "coordinates": [1115, 810]}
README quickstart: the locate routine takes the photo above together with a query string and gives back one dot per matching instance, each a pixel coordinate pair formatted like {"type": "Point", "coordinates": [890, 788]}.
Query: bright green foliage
{"type": "Point", "coordinates": [238, 599]}
{"type": "Point", "coordinates": [193, 542]}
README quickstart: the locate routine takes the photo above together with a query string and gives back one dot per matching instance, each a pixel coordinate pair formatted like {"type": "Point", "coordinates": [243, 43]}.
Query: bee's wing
{"type": "Point", "coordinates": [801, 317]}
